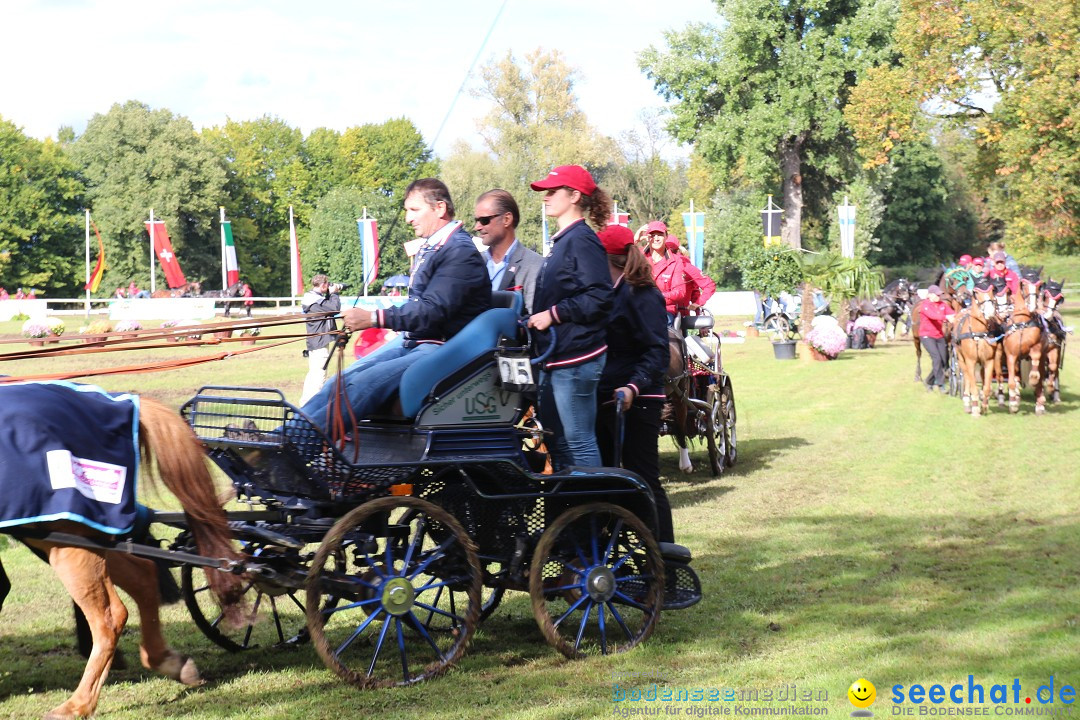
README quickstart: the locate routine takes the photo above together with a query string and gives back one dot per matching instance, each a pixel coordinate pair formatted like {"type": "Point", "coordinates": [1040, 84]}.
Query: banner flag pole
{"type": "Point", "coordinates": [224, 260]}
{"type": "Point", "coordinates": [151, 251]}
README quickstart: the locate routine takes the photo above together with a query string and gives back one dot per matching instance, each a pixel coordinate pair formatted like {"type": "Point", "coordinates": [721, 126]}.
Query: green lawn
{"type": "Point", "coordinates": [869, 530]}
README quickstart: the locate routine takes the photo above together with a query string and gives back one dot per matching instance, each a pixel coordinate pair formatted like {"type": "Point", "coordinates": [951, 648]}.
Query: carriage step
{"type": "Point", "coordinates": [682, 587]}
{"type": "Point", "coordinates": [678, 553]}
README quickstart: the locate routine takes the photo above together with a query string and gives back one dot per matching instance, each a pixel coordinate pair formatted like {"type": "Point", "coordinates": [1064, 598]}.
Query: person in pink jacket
{"type": "Point", "coordinates": [683, 286]}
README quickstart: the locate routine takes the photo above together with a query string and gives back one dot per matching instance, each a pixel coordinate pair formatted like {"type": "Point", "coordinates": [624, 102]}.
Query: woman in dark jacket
{"type": "Point", "coordinates": [573, 295]}
{"type": "Point", "coordinates": [637, 358]}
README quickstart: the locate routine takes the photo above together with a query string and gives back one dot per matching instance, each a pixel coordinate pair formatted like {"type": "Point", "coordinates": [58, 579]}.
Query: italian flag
{"type": "Point", "coordinates": [232, 270]}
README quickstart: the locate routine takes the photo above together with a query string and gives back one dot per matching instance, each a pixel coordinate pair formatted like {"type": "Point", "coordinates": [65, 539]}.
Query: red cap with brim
{"type": "Point", "coordinates": [672, 242]}
{"type": "Point", "coordinates": [656, 226]}
{"type": "Point", "coordinates": [616, 239]}
{"type": "Point", "coordinates": [571, 176]}
{"type": "Point", "coordinates": [999, 257]}
{"type": "Point", "coordinates": [978, 261]}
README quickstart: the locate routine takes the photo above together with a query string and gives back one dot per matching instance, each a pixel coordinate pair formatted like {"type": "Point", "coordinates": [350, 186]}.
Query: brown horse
{"type": "Point", "coordinates": [975, 345]}
{"type": "Point", "coordinates": [1053, 340]}
{"type": "Point", "coordinates": [91, 576]}
{"type": "Point", "coordinates": [1023, 338]}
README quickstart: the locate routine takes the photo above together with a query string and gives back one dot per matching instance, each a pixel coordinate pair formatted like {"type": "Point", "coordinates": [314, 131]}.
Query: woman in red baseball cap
{"type": "Point", "coordinates": [574, 289]}
{"type": "Point", "coordinates": [637, 360]}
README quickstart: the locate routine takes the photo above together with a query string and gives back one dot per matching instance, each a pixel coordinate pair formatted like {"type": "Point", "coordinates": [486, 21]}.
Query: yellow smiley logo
{"type": "Point", "coordinates": [862, 693]}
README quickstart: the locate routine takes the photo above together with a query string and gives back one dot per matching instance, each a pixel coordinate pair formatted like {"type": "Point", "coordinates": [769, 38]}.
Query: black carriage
{"type": "Point", "coordinates": [711, 397]}
{"type": "Point", "coordinates": [386, 549]}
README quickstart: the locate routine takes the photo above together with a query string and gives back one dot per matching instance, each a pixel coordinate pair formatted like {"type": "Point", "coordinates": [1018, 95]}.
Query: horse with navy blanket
{"type": "Point", "coordinates": [70, 457]}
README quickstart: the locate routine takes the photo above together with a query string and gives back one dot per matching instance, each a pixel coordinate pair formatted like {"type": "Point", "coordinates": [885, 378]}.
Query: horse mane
{"type": "Point", "coordinates": [181, 464]}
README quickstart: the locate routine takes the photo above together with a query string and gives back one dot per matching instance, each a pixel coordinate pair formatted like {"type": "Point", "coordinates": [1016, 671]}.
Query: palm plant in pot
{"type": "Point", "coordinates": [839, 278]}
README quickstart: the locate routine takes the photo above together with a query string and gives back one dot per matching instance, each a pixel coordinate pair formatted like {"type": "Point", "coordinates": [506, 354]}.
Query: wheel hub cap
{"type": "Point", "coordinates": [397, 596]}
{"type": "Point", "coordinates": [600, 584]}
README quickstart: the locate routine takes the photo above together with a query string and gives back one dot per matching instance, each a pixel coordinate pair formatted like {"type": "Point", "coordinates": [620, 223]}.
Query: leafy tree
{"type": "Point", "coordinates": [1006, 70]}
{"type": "Point", "coordinates": [762, 96]}
{"type": "Point", "coordinates": [266, 174]}
{"type": "Point", "coordinates": [534, 124]}
{"type": "Point", "coordinates": [920, 221]}
{"type": "Point", "coordinates": [645, 184]}
{"type": "Point", "coordinates": [133, 159]}
{"type": "Point", "coordinates": [41, 237]}
{"type": "Point", "coordinates": [733, 238]}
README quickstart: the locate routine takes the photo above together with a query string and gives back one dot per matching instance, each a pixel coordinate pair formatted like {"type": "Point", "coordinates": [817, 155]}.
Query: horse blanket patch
{"type": "Point", "coordinates": [68, 452]}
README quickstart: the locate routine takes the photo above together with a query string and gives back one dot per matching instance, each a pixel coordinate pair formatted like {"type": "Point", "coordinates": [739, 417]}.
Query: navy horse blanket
{"type": "Point", "coordinates": [68, 452]}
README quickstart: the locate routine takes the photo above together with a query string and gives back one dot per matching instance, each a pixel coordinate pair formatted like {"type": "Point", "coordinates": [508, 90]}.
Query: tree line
{"type": "Point", "coordinates": [948, 124]}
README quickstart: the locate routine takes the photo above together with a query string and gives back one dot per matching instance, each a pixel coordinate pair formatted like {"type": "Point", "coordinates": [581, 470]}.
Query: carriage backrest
{"type": "Point", "coordinates": [479, 337]}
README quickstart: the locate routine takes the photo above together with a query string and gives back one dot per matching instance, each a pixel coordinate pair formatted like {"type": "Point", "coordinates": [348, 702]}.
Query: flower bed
{"type": "Point", "coordinates": [829, 340]}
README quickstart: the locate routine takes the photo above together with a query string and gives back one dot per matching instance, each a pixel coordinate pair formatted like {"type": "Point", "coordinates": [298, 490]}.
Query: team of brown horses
{"type": "Point", "coordinates": [994, 330]}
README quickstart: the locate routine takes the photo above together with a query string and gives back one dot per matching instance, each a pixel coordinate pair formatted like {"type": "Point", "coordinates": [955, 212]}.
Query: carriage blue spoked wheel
{"type": "Point", "coordinates": [715, 437]}
{"type": "Point", "coordinates": [406, 599]}
{"type": "Point", "coordinates": [596, 581]}
{"type": "Point", "coordinates": [727, 397]}
{"type": "Point", "coordinates": [274, 615]}
{"type": "Point", "coordinates": [777, 324]}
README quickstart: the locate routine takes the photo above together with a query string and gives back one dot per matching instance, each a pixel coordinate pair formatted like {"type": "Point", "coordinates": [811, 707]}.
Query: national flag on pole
{"type": "Point", "coordinates": [618, 218]}
{"type": "Point", "coordinates": [369, 249]}
{"type": "Point", "coordinates": [294, 257]}
{"type": "Point", "coordinates": [174, 276]}
{"type": "Point", "coordinates": [99, 268]}
{"type": "Point", "coordinates": [232, 269]}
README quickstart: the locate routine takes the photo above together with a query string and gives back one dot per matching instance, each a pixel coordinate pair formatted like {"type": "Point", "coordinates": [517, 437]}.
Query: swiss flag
{"type": "Point", "coordinates": [619, 218]}
{"type": "Point", "coordinates": [174, 276]}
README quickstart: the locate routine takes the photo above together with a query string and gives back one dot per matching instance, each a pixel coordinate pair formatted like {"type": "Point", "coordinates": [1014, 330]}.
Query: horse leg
{"type": "Point", "coordinates": [969, 378]}
{"type": "Point", "coordinates": [918, 358]}
{"type": "Point", "coordinates": [1034, 377]}
{"type": "Point", "coordinates": [679, 409]}
{"type": "Point", "coordinates": [84, 574]}
{"type": "Point", "coordinates": [138, 578]}
{"type": "Point", "coordinates": [1012, 363]}
{"type": "Point", "coordinates": [5, 585]}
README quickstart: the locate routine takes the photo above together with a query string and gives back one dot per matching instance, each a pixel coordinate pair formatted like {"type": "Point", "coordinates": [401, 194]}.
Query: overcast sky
{"type": "Point", "coordinates": [316, 64]}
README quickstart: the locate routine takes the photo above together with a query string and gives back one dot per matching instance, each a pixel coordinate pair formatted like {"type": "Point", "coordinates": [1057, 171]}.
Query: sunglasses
{"type": "Point", "coordinates": [487, 218]}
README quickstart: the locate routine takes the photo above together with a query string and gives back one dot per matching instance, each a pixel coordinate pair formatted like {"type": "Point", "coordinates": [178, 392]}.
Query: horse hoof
{"type": "Point", "coordinates": [1040, 409]}
{"type": "Point", "coordinates": [180, 668]}
{"type": "Point", "coordinates": [687, 469]}
{"type": "Point", "coordinates": [62, 713]}
{"type": "Point", "coordinates": [975, 411]}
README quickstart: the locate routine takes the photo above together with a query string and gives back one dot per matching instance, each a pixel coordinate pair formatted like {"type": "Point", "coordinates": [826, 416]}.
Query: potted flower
{"type": "Point", "coordinates": [248, 335]}
{"type": "Point", "coordinates": [871, 325]}
{"type": "Point", "coordinates": [56, 326]}
{"type": "Point", "coordinates": [128, 326]}
{"type": "Point", "coordinates": [36, 330]}
{"type": "Point", "coordinates": [826, 341]}
{"type": "Point", "coordinates": [96, 331]}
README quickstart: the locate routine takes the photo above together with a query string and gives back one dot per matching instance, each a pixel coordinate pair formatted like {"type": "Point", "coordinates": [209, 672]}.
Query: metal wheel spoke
{"type": "Point", "coordinates": [277, 619]}
{"type": "Point", "coordinates": [437, 611]}
{"type": "Point", "coordinates": [443, 547]}
{"type": "Point", "coordinates": [401, 647]}
{"type": "Point", "coordinates": [581, 626]}
{"type": "Point", "coordinates": [297, 603]}
{"type": "Point", "coordinates": [592, 540]}
{"type": "Point", "coordinates": [328, 612]}
{"type": "Point", "coordinates": [434, 602]}
{"type": "Point", "coordinates": [573, 607]}
{"type": "Point", "coordinates": [378, 647]}
{"type": "Point", "coordinates": [252, 618]}
{"type": "Point", "coordinates": [421, 525]}
{"type": "Point", "coordinates": [629, 601]}
{"type": "Point", "coordinates": [356, 633]}
{"type": "Point", "coordinates": [614, 539]}
{"type": "Point", "coordinates": [424, 634]}
{"type": "Point", "coordinates": [618, 618]}
{"type": "Point", "coordinates": [603, 630]}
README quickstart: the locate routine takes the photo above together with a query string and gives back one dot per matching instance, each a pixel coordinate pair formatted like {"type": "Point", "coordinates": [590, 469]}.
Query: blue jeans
{"type": "Point", "coordinates": [568, 409]}
{"type": "Point", "coordinates": [368, 383]}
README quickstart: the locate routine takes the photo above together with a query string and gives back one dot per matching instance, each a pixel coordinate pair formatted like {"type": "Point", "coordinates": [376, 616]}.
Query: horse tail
{"type": "Point", "coordinates": [181, 465]}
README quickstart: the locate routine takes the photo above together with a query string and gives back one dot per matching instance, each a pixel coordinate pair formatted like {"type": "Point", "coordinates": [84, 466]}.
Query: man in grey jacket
{"type": "Point", "coordinates": [321, 298]}
{"type": "Point", "coordinates": [510, 265]}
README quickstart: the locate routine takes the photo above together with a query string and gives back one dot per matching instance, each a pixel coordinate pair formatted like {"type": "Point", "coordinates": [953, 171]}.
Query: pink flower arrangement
{"type": "Point", "coordinates": [35, 329]}
{"type": "Point", "coordinates": [829, 340]}
{"type": "Point", "coordinates": [870, 323]}
{"type": "Point", "coordinates": [128, 326]}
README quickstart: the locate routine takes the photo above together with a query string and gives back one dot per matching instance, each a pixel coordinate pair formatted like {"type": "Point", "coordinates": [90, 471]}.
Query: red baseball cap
{"type": "Point", "coordinates": [656, 226]}
{"type": "Point", "coordinates": [978, 261]}
{"type": "Point", "coordinates": [965, 260]}
{"type": "Point", "coordinates": [571, 176]}
{"type": "Point", "coordinates": [672, 242]}
{"type": "Point", "coordinates": [999, 257]}
{"type": "Point", "coordinates": [616, 239]}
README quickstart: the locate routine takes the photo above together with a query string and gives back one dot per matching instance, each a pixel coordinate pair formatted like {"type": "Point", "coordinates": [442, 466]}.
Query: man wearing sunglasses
{"type": "Point", "coordinates": [510, 265]}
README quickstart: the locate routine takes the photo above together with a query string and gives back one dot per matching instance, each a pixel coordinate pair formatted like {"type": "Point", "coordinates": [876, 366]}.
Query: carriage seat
{"type": "Point", "coordinates": [697, 322]}
{"type": "Point", "coordinates": [479, 337]}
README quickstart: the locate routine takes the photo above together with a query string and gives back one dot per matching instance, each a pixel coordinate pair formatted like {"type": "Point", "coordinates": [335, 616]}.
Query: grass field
{"type": "Point", "coordinates": [868, 530]}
